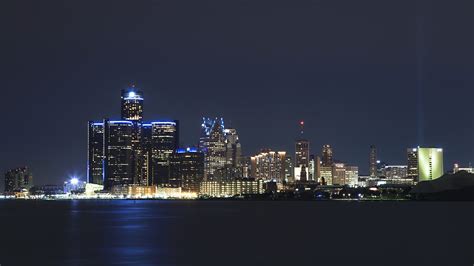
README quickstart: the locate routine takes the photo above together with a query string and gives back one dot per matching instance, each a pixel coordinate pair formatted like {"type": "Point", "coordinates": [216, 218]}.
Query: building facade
{"type": "Point", "coordinates": [269, 165]}
{"type": "Point", "coordinates": [373, 161]}
{"type": "Point", "coordinates": [424, 163]}
{"type": "Point", "coordinates": [301, 160]}
{"type": "Point", "coordinates": [231, 188]}
{"type": "Point", "coordinates": [129, 151]}
{"type": "Point", "coordinates": [326, 157]}
{"type": "Point", "coordinates": [187, 169]}
{"type": "Point", "coordinates": [18, 179]}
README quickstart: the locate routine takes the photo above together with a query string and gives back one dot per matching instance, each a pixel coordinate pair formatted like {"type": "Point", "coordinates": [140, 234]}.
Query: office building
{"type": "Point", "coordinates": [352, 176]}
{"type": "Point", "coordinates": [373, 161]}
{"type": "Point", "coordinates": [289, 170]}
{"type": "Point", "coordinates": [345, 175]}
{"type": "Point", "coordinates": [213, 145]}
{"type": "Point", "coordinates": [164, 141]}
{"type": "Point", "coordinates": [95, 152]}
{"type": "Point", "coordinates": [187, 169]}
{"type": "Point", "coordinates": [430, 163]}
{"type": "Point", "coordinates": [327, 155]}
{"type": "Point", "coordinates": [118, 153]}
{"type": "Point", "coordinates": [425, 163]}
{"type": "Point", "coordinates": [339, 174]}
{"type": "Point", "coordinates": [395, 171]}
{"type": "Point", "coordinates": [132, 104]}
{"type": "Point", "coordinates": [269, 165]}
{"type": "Point", "coordinates": [17, 179]}
{"type": "Point", "coordinates": [233, 148]}
{"type": "Point", "coordinates": [128, 151]}
{"type": "Point", "coordinates": [325, 175]}
{"type": "Point", "coordinates": [412, 163]}
{"type": "Point", "coordinates": [231, 188]}
{"type": "Point", "coordinates": [314, 168]}
{"type": "Point", "coordinates": [301, 160]}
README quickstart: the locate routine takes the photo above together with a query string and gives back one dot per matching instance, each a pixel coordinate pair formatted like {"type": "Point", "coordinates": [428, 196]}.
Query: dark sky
{"type": "Point", "coordinates": [353, 70]}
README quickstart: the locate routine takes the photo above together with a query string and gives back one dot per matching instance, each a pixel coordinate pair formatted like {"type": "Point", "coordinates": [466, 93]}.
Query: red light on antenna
{"type": "Point", "coordinates": [302, 123]}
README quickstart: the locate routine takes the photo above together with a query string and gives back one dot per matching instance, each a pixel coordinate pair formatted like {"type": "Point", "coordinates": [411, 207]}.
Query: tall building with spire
{"type": "Point", "coordinates": [301, 157]}
{"type": "Point", "coordinates": [213, 144]}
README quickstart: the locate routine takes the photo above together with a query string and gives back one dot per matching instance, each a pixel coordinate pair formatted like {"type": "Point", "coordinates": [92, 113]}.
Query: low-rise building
{"type": "Point", "coordinates": [232, 188]}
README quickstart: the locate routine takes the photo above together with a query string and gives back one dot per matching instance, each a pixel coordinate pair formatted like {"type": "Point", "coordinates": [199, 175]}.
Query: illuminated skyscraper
{"type": "Point", "coordinates": [269, 165]}
{"type": "Point", "coordinates": [95, 153]}
{"type": "Point", "coordinates": [118, 153]}
{"type": "Point", "coordinates": [212, 144]}
{"type": "Point", "coordinates": [412, 163]}
{"type": "Point", "coordinates": [327, 156]}
{"type": "Point", "coordinates": [18, 178]}
{"type": "Point", "coordinates": [373, 161]}
{"type": "Point", "coordinates": [430, 163]}
{"type": "Point", "coordinates": [314, 168]}
{"type": "Point", "coordinates": [425, 163]}
{"type": "Point", "coordinates": [129, 151]}
{"type": "Point", "coordinates": [206, 127]}
{"type": "Point", "coordinates": [233, 148]}
{"type": "Point", "coordinates": [187, 169]}
{"type": "Point", "coordinates": [132, 104]}
{"type": "Point", "coordinates": [301, 160]}
{"type": "Point", "coordinates": [326, 175]}
{"type": "Point", "coordinates": [164, 141]}
{"type": "Point", "coordinates": [339, 174]}
{"type": "Point", "coordinates": [289, 170]}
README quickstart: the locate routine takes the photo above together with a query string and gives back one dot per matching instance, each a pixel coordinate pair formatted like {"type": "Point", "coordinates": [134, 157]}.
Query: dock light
{"type": "Point", "coordinates": [74, 181]}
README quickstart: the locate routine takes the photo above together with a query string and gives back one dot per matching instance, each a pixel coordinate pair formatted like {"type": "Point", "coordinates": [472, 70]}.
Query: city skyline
{"type": "Point", "coordinates": [401, 82]}
{"type": "Point", "coordinates": [138, 93]}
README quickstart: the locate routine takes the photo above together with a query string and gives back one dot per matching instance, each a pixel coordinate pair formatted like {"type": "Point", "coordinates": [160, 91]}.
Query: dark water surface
{"type": "Point", "coordinates": [236, 233]}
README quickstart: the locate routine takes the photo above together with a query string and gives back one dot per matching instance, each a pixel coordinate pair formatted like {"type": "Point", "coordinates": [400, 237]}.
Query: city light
{"type": "Point", "coordinates": [74, 181]}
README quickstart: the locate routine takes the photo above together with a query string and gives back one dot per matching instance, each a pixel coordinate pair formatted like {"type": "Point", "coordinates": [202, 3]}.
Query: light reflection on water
{"type": "Point", "coordinates": [125, 232]}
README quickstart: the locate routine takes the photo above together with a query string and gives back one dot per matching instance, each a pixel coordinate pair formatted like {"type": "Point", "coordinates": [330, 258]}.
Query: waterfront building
{"type": "Point", "coordinates": [232, 188]}
{"type": "Point", "coordinates": [164, 141]}
{"type": "Point", "coordinates": [395, 171]}
{"type": "Point", "coordinates": [18, 179]}
{"type": "Point", "coordinates": [129, 151]}
{"type": "Point", "coordinates": [338, 174]}
{"type": "Point", "coordinates": [352, 175]}
{"type": "Point", "coordinates": [187, 169]}
{"type": "Point", "coordinates": [326, 175]}
{"type": "Point", "coordinates": [118, 153]}
{"type": "Point", "coordinates": [95, 152]}
{"type": "Point", "coordinates": [74, 186]}
{"type": "Point", "coordinates": [458, 168]}
{"type": "Point", "coordinates": [269, 165]}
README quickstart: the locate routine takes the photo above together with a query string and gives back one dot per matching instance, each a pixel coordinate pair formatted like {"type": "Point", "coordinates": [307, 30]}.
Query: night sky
{"type": "Point", "coordinates": [391, 73]}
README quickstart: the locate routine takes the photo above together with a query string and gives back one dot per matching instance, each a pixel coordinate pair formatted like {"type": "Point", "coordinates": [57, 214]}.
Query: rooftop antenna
{"type": "Point", "coordinates": [302, 127]}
